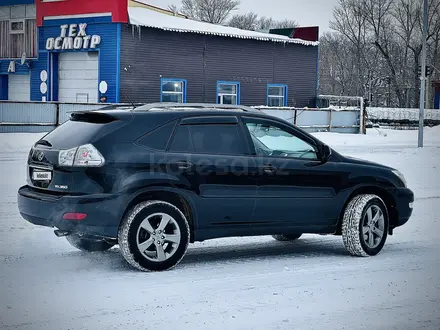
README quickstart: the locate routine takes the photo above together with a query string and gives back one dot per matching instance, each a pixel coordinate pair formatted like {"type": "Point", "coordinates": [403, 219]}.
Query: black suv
{"type": "Point", "coordinates": [158, 177]}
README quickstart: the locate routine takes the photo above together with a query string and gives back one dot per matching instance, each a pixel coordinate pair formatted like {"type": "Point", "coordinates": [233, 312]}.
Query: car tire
{"type": "Point", "coordinates": [287, 238]}
{"type": "Point", "coordinates": [154, 236]}
{"type": "Point", "coordinates": [365, 225]}
{"type": "Point", "coordinates": [88, 244]}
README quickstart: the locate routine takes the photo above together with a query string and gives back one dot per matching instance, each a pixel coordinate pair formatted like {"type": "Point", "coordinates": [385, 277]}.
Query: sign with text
{"type": "Point", "coordinates": [73, 36]}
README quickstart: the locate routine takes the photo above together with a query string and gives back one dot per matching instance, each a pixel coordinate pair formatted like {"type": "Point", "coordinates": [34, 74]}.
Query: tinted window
{"type": "Point", "coordinates": [158, 139]}
{"type": "Point", "coordinates": [210, 139]}
{"type": "Point", "coordinates": [73, 134]}
{"type": "Point", "coordinates": [182, 140]}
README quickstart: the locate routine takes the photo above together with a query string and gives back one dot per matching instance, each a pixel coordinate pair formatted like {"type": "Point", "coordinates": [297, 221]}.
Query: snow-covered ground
{"type": "Point", "coordinates": [234, 283]}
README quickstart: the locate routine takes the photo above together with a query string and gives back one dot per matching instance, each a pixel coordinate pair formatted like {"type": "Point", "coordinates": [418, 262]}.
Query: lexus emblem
{"type": "Point", "coordinates": [40, 156]}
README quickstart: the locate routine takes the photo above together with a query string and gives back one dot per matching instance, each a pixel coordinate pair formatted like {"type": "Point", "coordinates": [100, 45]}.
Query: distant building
{"type": "Point", "coordinates": [118, 51]}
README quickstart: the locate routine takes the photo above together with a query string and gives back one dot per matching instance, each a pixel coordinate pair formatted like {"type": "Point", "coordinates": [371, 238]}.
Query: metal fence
{"type": "Point", "coordinates": [33, 117]}
{"type": "Point", "coordinates": [319, 120]}
{"type": "Point", "coordinates": [44, 116]}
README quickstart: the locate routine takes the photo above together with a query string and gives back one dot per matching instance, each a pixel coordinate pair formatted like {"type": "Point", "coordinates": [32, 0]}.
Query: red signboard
{"type": "Point", "coordinates": [306, 33]}
{"type": "Point", "coordinates": [48, 8]}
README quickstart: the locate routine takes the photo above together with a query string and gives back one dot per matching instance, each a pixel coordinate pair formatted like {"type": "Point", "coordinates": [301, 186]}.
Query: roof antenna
{"type": "Point", "coordinates": [129, 100]}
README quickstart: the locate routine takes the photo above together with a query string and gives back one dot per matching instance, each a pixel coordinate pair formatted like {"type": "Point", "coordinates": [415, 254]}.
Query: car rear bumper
{"type": "Point", "coordinates": [44, 209]}
{"type": "Point", "coordinates": [404, 205]}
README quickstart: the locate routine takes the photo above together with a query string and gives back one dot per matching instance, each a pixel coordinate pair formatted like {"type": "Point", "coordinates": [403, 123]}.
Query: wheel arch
{"type": "Point", "coordinates": [381, 192]}
{"type": "Point", "coordinates": [168, 195]}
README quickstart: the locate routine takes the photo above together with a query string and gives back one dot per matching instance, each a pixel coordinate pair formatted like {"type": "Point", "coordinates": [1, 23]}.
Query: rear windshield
{"type": "Point", "coordinates": [73, 134]}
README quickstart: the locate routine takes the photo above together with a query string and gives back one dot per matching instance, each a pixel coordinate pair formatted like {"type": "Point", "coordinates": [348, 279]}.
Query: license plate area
{"type": "Point", "coordinates": [38, 175]}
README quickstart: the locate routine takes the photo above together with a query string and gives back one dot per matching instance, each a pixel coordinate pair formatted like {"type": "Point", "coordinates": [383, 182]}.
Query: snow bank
{"type": "Point", "coordinates": [382, 137]}
{"type": "Point", "coordinates": [401, 113]}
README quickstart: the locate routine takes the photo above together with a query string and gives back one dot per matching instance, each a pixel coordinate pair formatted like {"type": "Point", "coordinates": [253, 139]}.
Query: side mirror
{"type": "Point", "coordinates": [326, 152]}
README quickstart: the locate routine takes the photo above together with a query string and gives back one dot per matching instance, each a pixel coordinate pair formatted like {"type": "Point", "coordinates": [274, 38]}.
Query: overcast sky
{"type": "Point", "coordinates": [305, 12]}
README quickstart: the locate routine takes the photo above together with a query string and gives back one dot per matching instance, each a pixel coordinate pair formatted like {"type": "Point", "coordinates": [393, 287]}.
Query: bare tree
{"type": "Point", "coordinates": [247, 21]}
{"type": "Point", "coordinates": [211, 11]}
{"type": "Point", "coordinates": [350, 21]}
{"type": "Point", "coordinates": [383, 39]}
{"type": "Point", "coordinates": [284, 24]}
{"type": "Point", "coordinates": [251, 21]}
{"type": "Point", "coordinates": [265, 23]}
{"type": "Point", "coordinates": [174, 9]}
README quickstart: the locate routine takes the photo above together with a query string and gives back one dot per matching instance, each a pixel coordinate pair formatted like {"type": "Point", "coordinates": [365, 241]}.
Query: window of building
{"type": "Point", "coordinates": [273, 141]}
{"type": "Point", "coordinates": [228, 92]}
{"type": "Point", "coordinates": [18, 31]}
{"type": "Point", "coordinates": [224, 139]}
{"type": "Point", "coordinates": [277, 95]}
{"type": "Point", "coordinates": [173, 90]}
{"type": "Point", "coordinates": [158, 138]}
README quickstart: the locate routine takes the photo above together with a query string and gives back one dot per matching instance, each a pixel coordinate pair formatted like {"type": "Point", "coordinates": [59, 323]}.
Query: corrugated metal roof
{"type": "Point", "coordinates": [153, 19]}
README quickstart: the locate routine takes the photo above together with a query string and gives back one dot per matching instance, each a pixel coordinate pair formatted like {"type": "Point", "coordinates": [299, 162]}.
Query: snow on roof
{"type": "Point", "coordinates": [150, 18]}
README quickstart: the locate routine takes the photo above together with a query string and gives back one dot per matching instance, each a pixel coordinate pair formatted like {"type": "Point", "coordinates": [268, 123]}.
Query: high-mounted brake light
{"type": "Point", "coordinates": [84, 156]}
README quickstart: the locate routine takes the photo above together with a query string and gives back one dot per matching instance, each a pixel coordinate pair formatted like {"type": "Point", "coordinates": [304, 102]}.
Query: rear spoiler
{"type": "Point", "coordinates": [93, 117]}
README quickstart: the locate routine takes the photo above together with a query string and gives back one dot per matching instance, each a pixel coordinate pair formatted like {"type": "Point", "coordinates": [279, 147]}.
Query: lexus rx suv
{"type": "Point", "coordinates": [155, 178]}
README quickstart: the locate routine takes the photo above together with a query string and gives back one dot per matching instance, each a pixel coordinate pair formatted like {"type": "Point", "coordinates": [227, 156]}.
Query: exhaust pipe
{"type": "Point", "coordinates": [61, 233]}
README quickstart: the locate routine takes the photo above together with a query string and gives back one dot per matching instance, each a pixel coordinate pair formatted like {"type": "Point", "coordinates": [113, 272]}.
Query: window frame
{"type": "Point", "coordinates": [204, 121]}
{"type": "Point", "coordinates": [237, 95]}
{"type": "Point", "coordinates": [175, 80]}
{"type": "Point", "coordinates": [17, 20]}
{"type": "Point", "coordinates": [26, 38]}
{"type": "Point", "coordinates": [285, 97]}
{"type": "Point", "coordinates": [298, 134]}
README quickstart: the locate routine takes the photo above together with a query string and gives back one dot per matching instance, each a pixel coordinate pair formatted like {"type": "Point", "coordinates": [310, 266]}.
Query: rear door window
{"type": "Point", "coordinates": [158, 139]}
{"type": "Point", "coordinates": [224, 139]}
{"type": "Point", "coordinates": [182, 140]}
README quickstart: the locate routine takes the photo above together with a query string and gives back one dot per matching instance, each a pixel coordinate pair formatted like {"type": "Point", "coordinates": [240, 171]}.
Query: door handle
{"type": "Point", "coordinates": [184, 165]}
{"type": "Point", "coordinates": [269, 169]}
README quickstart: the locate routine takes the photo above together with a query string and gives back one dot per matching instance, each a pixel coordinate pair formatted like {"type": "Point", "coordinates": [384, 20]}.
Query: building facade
{"type": "Point", "coordinates": [117, 51]}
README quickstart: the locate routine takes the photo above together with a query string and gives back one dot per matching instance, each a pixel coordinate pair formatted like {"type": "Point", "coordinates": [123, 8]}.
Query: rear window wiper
{"type": "Point", "coordinates": [44, 143]}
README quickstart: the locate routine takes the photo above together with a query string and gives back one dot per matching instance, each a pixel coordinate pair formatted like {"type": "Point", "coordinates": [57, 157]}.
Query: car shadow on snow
{"type": "Point", "coordinates": [303, 248]}
{"type": "Point", "coordinates": [199, 255]}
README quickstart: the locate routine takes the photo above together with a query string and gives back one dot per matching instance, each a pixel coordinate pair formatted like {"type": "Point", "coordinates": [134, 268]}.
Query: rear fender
{"type": "Point", "coordinates": [183, 199]}
{"type": "Point", "coordinates": [144, 179]}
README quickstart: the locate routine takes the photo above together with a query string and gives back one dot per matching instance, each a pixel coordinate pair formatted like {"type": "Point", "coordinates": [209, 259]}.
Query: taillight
{"type": "Point", "coordinates": [84, 156]}
{"type": "Point", "coordinates": [66, 157]}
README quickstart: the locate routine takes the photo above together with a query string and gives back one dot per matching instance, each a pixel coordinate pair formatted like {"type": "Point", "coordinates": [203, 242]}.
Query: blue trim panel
{"type": "Point", "coordinates": [54, 70]}
{"type": "Point", "coordinates": [118, 63]}
{"type": "Point", "coordinates": [222, 82]}
{"type": "Point", "coordinates": [19, 69]}
{"type": "Point", "coordinates": [88, 20]}
{"type": "Point", "coordinates": [3, 87]}
{"type": "Point", "coordinates": [16, 2]}
{"type": "Point", "coordinates": [185, 85]}
{"type": "Point", "coordinates": [317, 76]}
{"type": "Point", "coordinates": [99, 77]}
{"type": "Point", "coordinates": [437, 101]}
{"type": "Point", "coordinates": [286, 94]}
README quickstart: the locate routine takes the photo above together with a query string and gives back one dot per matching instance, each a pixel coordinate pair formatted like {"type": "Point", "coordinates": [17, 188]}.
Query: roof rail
{"type": "Point", "coordinates": [184, 106]}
